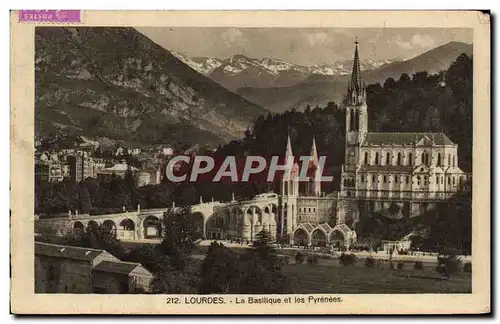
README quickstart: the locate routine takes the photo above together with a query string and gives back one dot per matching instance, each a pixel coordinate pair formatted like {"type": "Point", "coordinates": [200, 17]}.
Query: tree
{"type": "Point", "coordinates": [347, 259]}
{"type": "Point", "coordinates": [178, 240]}
{"type": "Point", "coordinates": [299, 258]}
{"type": "Point", "coordinates": [418, 265]}
{"type": "Point", "coordinates": [448, 263]}
{"type": "Point", "coordinates": [219, 272]}
{"type": "Point", "coordinates": [369, 262]}
{"type": "Point", "coordinates": [100, 237]}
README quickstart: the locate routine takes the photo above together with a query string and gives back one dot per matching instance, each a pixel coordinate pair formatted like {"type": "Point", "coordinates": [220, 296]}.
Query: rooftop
{"type": "Point", "coordinates": [423, 139]}
{"type": "Point", "coordinates": [65, 251]}
{"type": "Point", "coordinates": [116, 267]}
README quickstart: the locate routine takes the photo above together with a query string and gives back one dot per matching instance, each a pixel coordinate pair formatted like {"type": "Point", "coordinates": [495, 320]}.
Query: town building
{"type": "Point", "coordinates": [119, 169]}
{"type": "Point", "coordinates": [78, 270]}
{"type": "Point", "coordinates": [49, 168]}
{"type": "Point", "coordinates": [82, 166]}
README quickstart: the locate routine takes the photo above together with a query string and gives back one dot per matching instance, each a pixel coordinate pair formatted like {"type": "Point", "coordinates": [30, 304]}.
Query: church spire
{"type": "Point", "coordinates": [314, 152]}
{"type": "Point", "coordinates": [355, 88]}
{"type": "Point", "coordinates": [288, 149]}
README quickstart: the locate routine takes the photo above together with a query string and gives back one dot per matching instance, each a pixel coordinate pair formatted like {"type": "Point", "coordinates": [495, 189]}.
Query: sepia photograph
{"type": "Point", "coordinates": [197, 162]}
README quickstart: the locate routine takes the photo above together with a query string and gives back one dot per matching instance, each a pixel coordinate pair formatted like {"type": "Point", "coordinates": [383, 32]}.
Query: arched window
{"type": "Point", "coordinates": [449, 180]}
{"type": "Point", "coordinates": [388, 159]}
{"type": "Point", "coordinates": [439, 159]}
{"type": "Point", "coordinates": [449, 159]}
{"type": "Point", "coordinates": [453, 180]}
{"type": "Point", "coordinates": [453, 160]}
{"type": "Point", "coordinates": [362, 178]}
{"type": "Point", "coordinates": [376, 158]}
{"type": "Point", "coordinates": [385, 179]}
{"type": "Point", "coordinates": [418, 180]}
{"type": "Point", "coordinates": [427, 162]}
{"type": "Point", "coordinates": [399, 158]}
{"type": "Point", "coordinates": [366, 157]}
{"type": "Point", "coordinates": [422, 158]}
{"type": "Point", "coordinates": [410, 159]}
{"type": "Point", "coordinates": [437, 179]}
{"type": "Point", "coordinates": [351, 121]}
{"type": "Point", "coordinates": [286, 188]}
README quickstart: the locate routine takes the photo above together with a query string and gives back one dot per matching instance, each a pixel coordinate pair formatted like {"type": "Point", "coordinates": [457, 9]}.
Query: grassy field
{"type": "Point", "coordinates": [329, 278]}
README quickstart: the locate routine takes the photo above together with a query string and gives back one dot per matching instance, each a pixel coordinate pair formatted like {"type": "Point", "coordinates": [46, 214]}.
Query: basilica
{"type": "Point", "coordinates": [395, 174]}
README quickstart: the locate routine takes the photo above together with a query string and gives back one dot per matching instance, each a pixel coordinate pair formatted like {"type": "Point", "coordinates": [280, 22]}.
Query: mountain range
{"type": "Point", "coordinates": [117, 84]}
{"type": "Point", "coordinates": [240, 71]}
{"type": "Point", "coordinates": [319, 89]}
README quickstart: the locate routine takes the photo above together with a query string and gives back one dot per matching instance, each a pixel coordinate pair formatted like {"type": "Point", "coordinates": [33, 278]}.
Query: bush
{"type": "Point", "coordinates": [369, 262]}
{"type": "Point", "coordinates": [347, 259]}
{"type": "Point", "coordinates": [284, 259]}
{"type": "Point", "coordinates": [448, 264]}
{"type": "Point", "coordinates": [312, 259]}
{"type": "Point", "coordinates": [299, 258]}
{"type": "Point", "coordinates": [418, 265]}
{"type": "Point", "coordinates": [468, 267]}
{"type": "Point", "coordinates": [401, 265]}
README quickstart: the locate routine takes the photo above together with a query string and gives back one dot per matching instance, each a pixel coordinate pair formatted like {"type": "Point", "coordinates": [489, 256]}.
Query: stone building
{"type": "Point", "coordinates": [77, 270]}
{"type": "Point", "coordinates": [401, 174]}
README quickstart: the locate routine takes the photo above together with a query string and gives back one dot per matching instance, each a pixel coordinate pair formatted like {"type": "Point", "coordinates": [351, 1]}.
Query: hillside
{"type": "Point", "coordinates": [118, 84]}
{"type": "Point", "coordinates": [320, 88]}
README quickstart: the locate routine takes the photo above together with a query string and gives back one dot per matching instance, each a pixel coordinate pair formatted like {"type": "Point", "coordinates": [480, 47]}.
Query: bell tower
{"type": "Point", "coordinates": [355, 104]}
{"type": "Point", "coordinates": [356, 125]}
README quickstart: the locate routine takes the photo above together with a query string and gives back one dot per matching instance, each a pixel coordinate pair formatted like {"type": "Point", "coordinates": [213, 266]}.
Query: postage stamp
{"type": "Point", "coordinates": [250, 162]}
{"type": "Point", "coordinates": [50, 16]}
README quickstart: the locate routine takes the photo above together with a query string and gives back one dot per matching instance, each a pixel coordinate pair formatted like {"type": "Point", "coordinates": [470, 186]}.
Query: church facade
{"type": "Point", "coordinates": [407, 172]}
{"type": "Point", "coordinates": [394, 174]}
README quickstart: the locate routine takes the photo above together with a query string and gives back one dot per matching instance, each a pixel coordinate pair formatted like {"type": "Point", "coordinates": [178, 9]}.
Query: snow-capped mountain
{"type": "Point", "coordinates": [344, 67]}
{"type": "Point", "coordinates": [203, 65]}
{"type": "Point", "coordinates": [241, 71]}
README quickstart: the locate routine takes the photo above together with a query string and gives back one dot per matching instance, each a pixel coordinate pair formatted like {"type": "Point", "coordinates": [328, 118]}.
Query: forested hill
{"type": "Point", "coordinates": [418, 103]}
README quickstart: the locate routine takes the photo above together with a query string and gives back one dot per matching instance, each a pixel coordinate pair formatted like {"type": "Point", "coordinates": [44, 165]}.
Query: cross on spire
{"type": "Point", "coordinates": [355, 89]}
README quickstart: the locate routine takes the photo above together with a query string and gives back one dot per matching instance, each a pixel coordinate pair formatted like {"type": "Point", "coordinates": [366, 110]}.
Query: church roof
{"type": "Point", "coordinates": [424, 139]}
{"type": "Point", "coordinates": [386, 168]}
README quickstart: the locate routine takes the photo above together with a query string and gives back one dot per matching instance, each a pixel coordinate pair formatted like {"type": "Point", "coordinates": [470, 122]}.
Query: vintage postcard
{"type": "Point", "coordinates": [286, 162]}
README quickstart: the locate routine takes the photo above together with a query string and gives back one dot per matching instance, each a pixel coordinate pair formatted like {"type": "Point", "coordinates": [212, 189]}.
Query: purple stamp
{"type": "Point", "coordinates": [53, 16]}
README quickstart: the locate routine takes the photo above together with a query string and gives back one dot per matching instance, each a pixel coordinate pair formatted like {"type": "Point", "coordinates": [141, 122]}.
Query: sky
{"type": "Point", "coordinates": [305, 46]}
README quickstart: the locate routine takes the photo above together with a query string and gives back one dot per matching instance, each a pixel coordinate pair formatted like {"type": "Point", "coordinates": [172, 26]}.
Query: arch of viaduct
{"type": "Point", "coordinates": [212, 220]}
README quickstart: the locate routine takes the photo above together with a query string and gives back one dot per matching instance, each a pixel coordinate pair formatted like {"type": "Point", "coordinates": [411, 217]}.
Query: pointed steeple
{"type": "Point", "coordinates": [355, 88]}
{"type": "Point", "coordinates": [288, 148]}
{"type": "Point", "coordinates": [314, 152]}
{"type": "Point", "coordinates": [356, 70]}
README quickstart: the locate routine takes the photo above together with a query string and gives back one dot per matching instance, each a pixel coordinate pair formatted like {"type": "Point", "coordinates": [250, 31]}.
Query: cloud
{"type": "Point", "coordinates": [317, 38]}
{"type": "Point", "coordinates": [232, 35]}
{"type": "Point", "coordinates": [417, 41]}
{"type": "Point", "coordinates": [423, 41]}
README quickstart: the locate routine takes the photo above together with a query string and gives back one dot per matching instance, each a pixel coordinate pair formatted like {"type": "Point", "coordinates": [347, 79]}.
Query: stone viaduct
{"type": "Point", "coordinates": [213, 220]}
